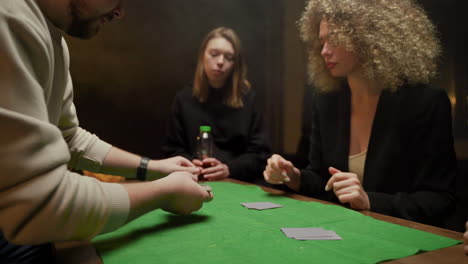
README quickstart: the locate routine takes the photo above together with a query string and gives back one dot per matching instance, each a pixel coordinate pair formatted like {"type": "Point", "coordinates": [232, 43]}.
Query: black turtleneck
{"type": "Point", "coordinates": [240, 138]}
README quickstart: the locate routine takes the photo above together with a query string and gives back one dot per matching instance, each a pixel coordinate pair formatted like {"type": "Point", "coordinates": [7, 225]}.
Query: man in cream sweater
{"type": "Point", "coordinates": [41, 200]}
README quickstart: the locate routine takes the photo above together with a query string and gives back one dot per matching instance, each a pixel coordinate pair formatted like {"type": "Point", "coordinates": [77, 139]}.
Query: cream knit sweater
{"type": "Point", "coordinates": [41, 200]}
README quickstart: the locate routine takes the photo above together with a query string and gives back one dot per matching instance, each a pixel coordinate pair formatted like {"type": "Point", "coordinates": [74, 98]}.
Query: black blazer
{"type": "Point", "coordinates": [410, 166]}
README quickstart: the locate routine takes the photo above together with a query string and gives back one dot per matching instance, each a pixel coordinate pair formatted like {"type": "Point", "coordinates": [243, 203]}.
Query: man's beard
{"type": "Point", "coordinates": [81, 28]}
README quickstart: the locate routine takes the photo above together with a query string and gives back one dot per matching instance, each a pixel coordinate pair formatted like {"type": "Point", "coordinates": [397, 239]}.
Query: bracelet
{"type": "Point", "coordinates": [141, 171]}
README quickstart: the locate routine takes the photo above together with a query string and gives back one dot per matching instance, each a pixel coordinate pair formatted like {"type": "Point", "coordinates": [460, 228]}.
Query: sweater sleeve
{"type": "Point", "coordinates": [249, 165]}
{"type": "Point", "coordinates": [175, 143]}
{"type": "Point", "coordinates": [434, 170]}
{"type": "Point", "coordinates": [87, 150]}
{"type": "Point", "coordinates": [40, 199]}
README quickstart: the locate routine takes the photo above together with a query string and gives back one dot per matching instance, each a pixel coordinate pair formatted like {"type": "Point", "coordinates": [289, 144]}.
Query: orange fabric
{"type": "Point", "coordinates": [104, 177]}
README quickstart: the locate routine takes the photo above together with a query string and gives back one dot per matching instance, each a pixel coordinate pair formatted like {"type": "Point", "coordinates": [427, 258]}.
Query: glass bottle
{"type": "Point", "coordinates": [204, 143]}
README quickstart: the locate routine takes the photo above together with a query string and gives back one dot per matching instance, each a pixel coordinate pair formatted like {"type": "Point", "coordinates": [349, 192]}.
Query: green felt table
{"type": "Point", "coordinates": [223, 231]}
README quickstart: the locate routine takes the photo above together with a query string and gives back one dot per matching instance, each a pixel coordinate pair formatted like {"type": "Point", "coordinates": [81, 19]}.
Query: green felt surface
{"type": "Point", "coordinates": [224, 232]}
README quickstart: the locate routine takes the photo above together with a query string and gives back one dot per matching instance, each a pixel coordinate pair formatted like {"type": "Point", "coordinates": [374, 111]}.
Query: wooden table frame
{"type": "Point", "coordinates": [84, 252]}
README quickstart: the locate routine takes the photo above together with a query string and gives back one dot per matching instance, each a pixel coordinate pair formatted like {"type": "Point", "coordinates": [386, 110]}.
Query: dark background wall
{"type": "Point", "coordinates": [126, 77]}
{"type": "Point", "coordinates": [450, 19]}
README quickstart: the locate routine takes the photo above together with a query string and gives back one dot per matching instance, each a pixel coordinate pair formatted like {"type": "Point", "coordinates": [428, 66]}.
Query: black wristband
{"type": "Point", "coordinates": [141, 171]}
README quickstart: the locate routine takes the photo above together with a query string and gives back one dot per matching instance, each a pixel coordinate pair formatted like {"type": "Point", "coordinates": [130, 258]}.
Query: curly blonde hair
{"type": "Point", "coordinates": [394, 40]}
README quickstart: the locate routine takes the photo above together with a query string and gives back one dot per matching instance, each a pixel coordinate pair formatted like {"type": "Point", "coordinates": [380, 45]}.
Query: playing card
{"type": "Point", "coordinates": [310, 233]}
{"type": "Point", "coordinates": [261, 205]}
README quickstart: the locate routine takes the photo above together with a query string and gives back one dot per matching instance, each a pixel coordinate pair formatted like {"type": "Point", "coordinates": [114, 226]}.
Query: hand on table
{"type": "Point", "coordinates": [164, 167]}
{"type": "Point", "coordinates": [212, 169]}
{"type": "Point", "coordinates": [279, 170]}
{"type": "Point", "coordinates": [348, 189]}
{"type": "Point", "coordinates": [183, 194]}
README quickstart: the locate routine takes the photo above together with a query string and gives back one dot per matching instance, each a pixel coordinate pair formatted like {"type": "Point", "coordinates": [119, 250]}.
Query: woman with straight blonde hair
{"type": "Point", "coordinates": [221, 97]}
{"type": "Point", "coordinates": [234, 79]}
{"type": "Point", "coordinates": [381, 137]}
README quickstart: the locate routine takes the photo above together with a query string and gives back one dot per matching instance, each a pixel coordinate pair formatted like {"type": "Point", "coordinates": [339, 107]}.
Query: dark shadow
{"type": "Point", "coordinates": [279, 194]}
{"type": "Point", "coordinates": [173, 221]}
{"type": "Point", "coordinates": [300, 159]}
{"type": "Point", "coordinates": [456, 220]}
{"type": "Point", "coordinates": [418, 252]}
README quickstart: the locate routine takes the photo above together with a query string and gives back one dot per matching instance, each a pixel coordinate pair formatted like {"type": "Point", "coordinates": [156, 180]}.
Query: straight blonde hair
{"type": "Point", "coordinates": [237, 83]}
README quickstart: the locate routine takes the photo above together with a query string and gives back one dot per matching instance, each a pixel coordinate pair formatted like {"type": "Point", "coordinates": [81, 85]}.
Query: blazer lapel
{"type": "Point", "coordinates": [382, 128]}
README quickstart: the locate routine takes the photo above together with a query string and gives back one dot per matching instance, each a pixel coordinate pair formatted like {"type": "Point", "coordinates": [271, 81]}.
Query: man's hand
{"type": "Point", "coordinates": [183, 194]}
{"type": "Point", "coordinates": [178, 193]}
{"type": "Point", "coordinates": [198, 163]}
{"type": "Point", "coordinates": [161, 168]}
{"type": "Point", "coordinates": [348, 189]}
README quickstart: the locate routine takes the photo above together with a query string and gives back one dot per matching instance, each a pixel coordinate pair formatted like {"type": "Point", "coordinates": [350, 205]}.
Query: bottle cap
{"type": "Point", "coordinates": [205, 128]}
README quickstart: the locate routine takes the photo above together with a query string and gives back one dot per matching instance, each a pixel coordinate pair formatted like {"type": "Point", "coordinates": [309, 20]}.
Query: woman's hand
{"type": "Point", "coordinates": [212, 169]}
{"type": "Point", "coordinates": [348, 189]}
{"type": "Point", "coordinates": [279, 170]}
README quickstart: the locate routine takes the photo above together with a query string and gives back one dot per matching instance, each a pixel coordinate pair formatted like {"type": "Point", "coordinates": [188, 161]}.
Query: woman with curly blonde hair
{"type": "Point", "coordinates": [381, 137]}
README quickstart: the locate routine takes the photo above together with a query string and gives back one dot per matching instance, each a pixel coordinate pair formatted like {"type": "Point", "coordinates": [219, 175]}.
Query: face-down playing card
{"type": "Point", "coordinates": [310, 233]}
{"type": "Point", "coordinates": [261, 205]}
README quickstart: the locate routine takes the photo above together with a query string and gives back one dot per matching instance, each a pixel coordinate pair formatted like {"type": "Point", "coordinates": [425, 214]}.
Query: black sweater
{"type": "Point", "coordinates": [240, 138]}
{"type": "Point", "coordinates": [410, 166]}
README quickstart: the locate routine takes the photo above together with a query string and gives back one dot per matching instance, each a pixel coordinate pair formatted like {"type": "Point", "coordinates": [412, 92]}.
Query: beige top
{"type": "Point", "coordinates": [356, 164]}
{"type": "Point", "coordinates": [41, 200]}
